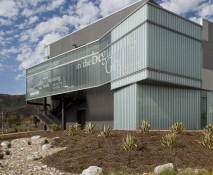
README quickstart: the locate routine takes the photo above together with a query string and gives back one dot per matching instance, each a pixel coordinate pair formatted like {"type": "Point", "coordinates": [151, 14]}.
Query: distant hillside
{"type": "Point", "coordinates": [16, 103]}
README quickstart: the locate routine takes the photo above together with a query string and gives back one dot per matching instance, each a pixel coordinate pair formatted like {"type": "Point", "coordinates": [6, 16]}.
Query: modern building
{"type": "Point", "coordinates": [142, 62]}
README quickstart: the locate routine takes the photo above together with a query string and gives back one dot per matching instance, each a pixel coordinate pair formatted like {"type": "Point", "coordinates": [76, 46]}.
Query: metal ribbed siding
{"type": "Point", "coordinates": [129, 53]}
{"type": "Point", "coordinates": [162, 17]}
{"type": "Point", "coordinates": [162, 106]}
{"type": "Point", "coordinates": [172, 52]}
{"type": "Point", "coordinates": [131, 22]}
{"type": "Point", "coordinates": [125, 110]}
{"type": "Point", "coordinates": [173, 79]}
{"type": "Point", "coordinates": [209, 107]}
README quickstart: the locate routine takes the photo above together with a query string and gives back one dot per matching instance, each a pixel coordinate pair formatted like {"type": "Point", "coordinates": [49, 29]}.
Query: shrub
{"type": "Point", "coordinates": [208, 128]}
{"type": "Point", "coordinates": [207, 141]}
{"type": "Point", "coordinates": [177, 128]}
{"type": "Point", "coordinates": [170, 140]}
{"type": "Point", "coordinates": [46, 141]}
{"type": "Point", "coordinates": [54, 127]}
{"type": "Point", "coordinates": [1, 156]}
{"type": "Point", "coordinates": [105, 131]}
{"type": "Point", "coordinates": [20, 130]}
{"type": "Point", "coordinates": [15, 129]}
{"type": "Point", "coordinates": [29, 142]}
{"type": "Point", "coordinates": [73, 130]}
{"type": "Point", "coordinates": [25, 129]}
{"type": "Point", "coordinates": [144, 127]}
{"type": "Point", "coordinates": [9, 145]}
{"type": "Point", "coordinates": [90, 128]}
{"type": "Point", "coordinates": [7, 152]}
{"type": "Point", "coordinates": [31, 129]}
{"type": "Point", "coordinates": [168, 171]}
{"type": "Point", "coordinates": [130, 143]}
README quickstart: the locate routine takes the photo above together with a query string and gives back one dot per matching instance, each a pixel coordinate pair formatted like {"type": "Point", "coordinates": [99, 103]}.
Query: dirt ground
{"type": "Point", "coordinates": [84, 150]}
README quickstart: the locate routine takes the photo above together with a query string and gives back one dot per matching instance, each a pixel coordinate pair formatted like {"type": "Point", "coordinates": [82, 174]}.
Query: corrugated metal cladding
{"type": "Point", "coordinates": [209, 107]}
{"type": "Point", "coordinates": [174, 22]}
{"type": "Point", "coordinates": [125, 110]}
{"type": "Point", "coordinates": [130, 79]}
{"type": "Point", "coordinates": [173, 79]}
{"type": "Point", "coordinates": [162, 106]}
{"type": "Point", "coordinates": [131, 22]}
{"type": "Point", "coordinates": [128, 55]}
{"type": "Point", "coordinates": [172, 52]}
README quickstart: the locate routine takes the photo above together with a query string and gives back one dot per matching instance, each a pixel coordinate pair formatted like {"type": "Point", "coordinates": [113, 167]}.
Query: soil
{"type": "Point", "coordinates": [84, 150]}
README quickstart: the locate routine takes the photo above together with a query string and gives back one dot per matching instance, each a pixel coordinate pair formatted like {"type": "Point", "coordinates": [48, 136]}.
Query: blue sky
{"type": "Point", "coordinates": [26, 25]}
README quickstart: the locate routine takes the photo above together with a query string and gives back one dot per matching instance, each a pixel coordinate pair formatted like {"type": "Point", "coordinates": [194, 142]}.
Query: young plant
{"type": "Point", "coordinates": [130, 143]}
{"type": "Point", "coordinates": [90, 128]}
{"type": "Point", "coordinates": [9, 145]}
{"type": "Point", "coordinates": [46, 141]}
{"type": "Point", "coordinates": [29, 142]}
{"type": "Point", "coordinates": [54, 127]}
{"type": "Point", "coordinates": [7, 152]}
{"type": "Point", "coordinates": [73, 130]}
{"type": "Point", "coordinates": [208, 128]}
{"type": "Point", "coordinates": [207, 141]}
{"type": "Point", "coordinates": [177, 128]}
{"type": "Point", "coordinates": [1, 156]}
{"type": "Point", "coordinates": [105, 131]}
{"type": "Point", "coordinates": [170, 141]}
{"type": "Point", "coordinates": [144, 127]}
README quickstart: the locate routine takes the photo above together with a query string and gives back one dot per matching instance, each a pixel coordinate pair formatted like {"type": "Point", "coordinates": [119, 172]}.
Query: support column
{"type": "Point", "coordinates": [44, 103]}
{"type": "Point", "coordinates": [63, 123]}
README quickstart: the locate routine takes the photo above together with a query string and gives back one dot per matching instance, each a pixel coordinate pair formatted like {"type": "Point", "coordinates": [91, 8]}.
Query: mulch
{"type": "Point", "coordinates": [84, 150]}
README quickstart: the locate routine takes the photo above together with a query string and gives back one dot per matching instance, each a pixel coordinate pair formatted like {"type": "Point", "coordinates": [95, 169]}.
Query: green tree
{"type": "Point", "coordinates": [15, 119]}
{"type": "Point", "coordinates": [35, 120]}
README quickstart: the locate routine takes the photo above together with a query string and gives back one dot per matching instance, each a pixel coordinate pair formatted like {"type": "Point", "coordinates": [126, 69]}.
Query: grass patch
{"type": "Point", "coordinates": [100, 158]}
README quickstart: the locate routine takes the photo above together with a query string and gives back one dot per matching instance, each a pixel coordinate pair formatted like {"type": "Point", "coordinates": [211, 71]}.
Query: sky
{"type": "Point", "coordinates": [27, 25]}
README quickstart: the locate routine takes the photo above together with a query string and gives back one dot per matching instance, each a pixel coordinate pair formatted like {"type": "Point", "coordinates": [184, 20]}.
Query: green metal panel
{"type": "Point", "coordinates": [209, 107]}
{"type": "Point", "coordinates": [172, 52]}
{"type": "Point", "coordinates": [162, 106]}
{"type": "Point", "coordinates": [125, 108]}
{"type": "Point", "coordinates": [130, 23]}
{"type": "Point", "coordinates": [170, 20]}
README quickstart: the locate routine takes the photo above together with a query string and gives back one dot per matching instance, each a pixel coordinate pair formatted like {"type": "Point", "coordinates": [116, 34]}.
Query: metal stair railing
{"type": "Point", "coordinates": [53, 118]}
{"type": "Point", "coordinates": [61, 111]}
{"type": "Point", "coordinates": [55, 106]}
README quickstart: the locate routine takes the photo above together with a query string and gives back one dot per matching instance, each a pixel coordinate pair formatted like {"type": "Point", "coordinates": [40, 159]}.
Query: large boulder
{"type": "Point", "coordinates": [33, 157]}
{"type": "Point", "coordinates": [92, 170]}
{"type": "Point", "coordinates": [35, 137]}
{"type": "Point", "coordinates": [5, 143]}
{"type": "Point", "coordinates": [47, 146]}
{"type": "Point", "coordinates": [160, 168]}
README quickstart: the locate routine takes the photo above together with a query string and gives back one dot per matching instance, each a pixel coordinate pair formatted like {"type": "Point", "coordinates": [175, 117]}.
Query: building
{"type": "Point", "coordinates": [142, 62]}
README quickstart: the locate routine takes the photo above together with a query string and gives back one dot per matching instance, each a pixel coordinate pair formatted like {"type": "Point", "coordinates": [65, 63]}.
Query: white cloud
{"type": "Point", "coordinates": [195, 19]}
{"type": "Point", "coordinates": [2, 33]}
{"type": "Point", "coordinates": [9, 32]}
{"type": "Point", "coordinates": [24, 37]}
{"type": "Point", "coordinates": [8, 8]}
{"type": "Point", "coordinates": [8, 51]}
{"type": "Point", "coordinates": [19, 76]}
{"type": "Point", "coordinates": [109, 6]}
{"type": "Point", "coordinates": [5, 21]}
{"type": "Point", "coordinates": [55, 4]}
{"type": "Point", "coordinates": [27, 12]}
{"type": "Point", "coordinates": [180, 6]}
{"type": "Point", "coordinates": [206, 10]}
{"type": "Point", "coordinates": [33, 19]}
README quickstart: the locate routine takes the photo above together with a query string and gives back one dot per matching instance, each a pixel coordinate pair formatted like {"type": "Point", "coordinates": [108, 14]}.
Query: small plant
{"type": "Point", "coordinates": [144, 127]}
{"type": "Point", "coordinates": [20, 130]}
{"type": "Point", "coordinates": [1, 156]}
{"type": "Point", "coordinates": [25, 129]}
{"type": "Point", "coordinates": [73, 130]}
{"type": "Point", "coordinates": [29, 142]}
{"type": "Point", "coordinates": [130, 143]}
{"type": "Point", "coordinates": [7, 152]}
{"type": "Point", "coordinates": [170, 141]}
{"type": "Point", "coordinates": [177, 128]}
{"type": "Point", "coordinates": [54, 127]}
{"type": "Point", "coordinates": [9, 145]}
{"type": "Point", "coordinates": [78, 126]}
{"type": "Point", "coordinates": [105, 131]}
{"type": "Point", "coordinates": [15, 129]}
{"type": "Point", "coordinates": [90, 128]}
{"type": "Point", "coordinates": [168, 171]}
{"type": "Point", "coordinates": [208, 128]}
{"type": "Point", "coordinates": [207, 141]}
{"type": "Point", "coordinates": [31, 129]}
{"type": "Point", "coordinates": [46, 141]}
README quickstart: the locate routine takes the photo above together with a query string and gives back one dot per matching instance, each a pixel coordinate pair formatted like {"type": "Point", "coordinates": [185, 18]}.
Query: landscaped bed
{"type": "Point", "coordinates": [84, 150]}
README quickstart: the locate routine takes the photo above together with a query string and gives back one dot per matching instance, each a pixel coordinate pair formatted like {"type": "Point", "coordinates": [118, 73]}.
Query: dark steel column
{"type": "Point", "coordinates": [63, 127]}
{"type": "Point", "coordinates": [44, 103]}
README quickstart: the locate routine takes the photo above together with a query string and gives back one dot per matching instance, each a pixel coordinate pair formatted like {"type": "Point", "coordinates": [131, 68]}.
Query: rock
{"type": "Point", "coordinates": [92, 170]}
{"type": "Point", "coordinates": [53, 140]}
{"type": "Point", "coordinates": [47, 146]}
{"type": "Point", "coordinates": [35, 137]}
{"type": "Point", "coordinates": [161, 168]}
{"type": "Point", "coordinates": [5, 143]}
{"type": "Point", "coordinates": [33, 157]}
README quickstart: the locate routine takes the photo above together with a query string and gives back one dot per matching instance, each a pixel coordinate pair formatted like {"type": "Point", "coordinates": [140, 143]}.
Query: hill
{"type": "Point", "coordinates": [16, 103]}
